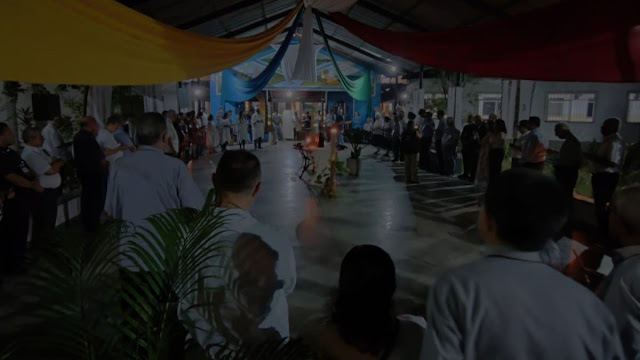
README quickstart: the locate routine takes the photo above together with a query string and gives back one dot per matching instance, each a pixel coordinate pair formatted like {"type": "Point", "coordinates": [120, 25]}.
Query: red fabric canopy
{"type": "Point", "coordinates": [583, 40]}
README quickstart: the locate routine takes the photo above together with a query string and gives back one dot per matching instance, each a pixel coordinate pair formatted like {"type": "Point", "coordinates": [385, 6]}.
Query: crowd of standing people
{"type": "Point", "coordinates": [31, 181]}
{"type": "Point", "coordinates": [510, 304]}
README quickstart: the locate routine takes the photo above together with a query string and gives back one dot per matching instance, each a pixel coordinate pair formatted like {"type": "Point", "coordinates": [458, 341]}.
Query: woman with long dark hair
{"type": "Point", "coordinates": [496, 154]}
{"type": "Point", "coordinates": [362, 323]}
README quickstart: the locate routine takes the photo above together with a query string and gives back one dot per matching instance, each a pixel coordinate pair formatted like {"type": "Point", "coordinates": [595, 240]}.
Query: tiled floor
{"type": "Point", "coordinates": [426, 228]}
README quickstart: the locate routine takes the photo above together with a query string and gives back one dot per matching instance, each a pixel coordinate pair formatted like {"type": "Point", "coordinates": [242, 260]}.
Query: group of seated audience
{"type": "Point", "coordinates": [510, 304]}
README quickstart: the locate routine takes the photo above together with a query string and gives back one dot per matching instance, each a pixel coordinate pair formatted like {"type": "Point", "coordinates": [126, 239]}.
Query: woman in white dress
{"type": "Point", "coordinates": [212, 131]}
{"type": "Point", "coordinates": [243, 129]}
{"type": "Point", "coordinates": [225, 125]}
{"type": "Point", "coordinates": [257, 129]}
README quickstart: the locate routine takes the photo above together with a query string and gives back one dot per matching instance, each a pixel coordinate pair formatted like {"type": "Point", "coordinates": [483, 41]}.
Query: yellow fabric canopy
{"type": "Point", "coordinates": [102, 42]}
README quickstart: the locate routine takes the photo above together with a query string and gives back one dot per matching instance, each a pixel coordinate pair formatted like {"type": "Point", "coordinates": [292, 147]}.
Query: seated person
{"type": "Point", "coordinates": [620, 291]}
{"type": "Point", "coordinates": [509, 304]}
{"type": "Point", "coordinates": [362, 323]}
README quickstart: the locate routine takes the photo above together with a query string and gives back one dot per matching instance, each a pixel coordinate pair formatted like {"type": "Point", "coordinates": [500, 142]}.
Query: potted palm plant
{"type": "Point", "coordinates": [78, 303]}
{"type": "Point", "coordinates": [355, 137]}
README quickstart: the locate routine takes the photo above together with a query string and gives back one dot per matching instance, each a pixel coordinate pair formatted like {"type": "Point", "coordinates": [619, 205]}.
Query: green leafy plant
{"type": "Point", "coordinates": [39, 89]}
{"type": "Point", "coordinates": [78, 107]}
{"type": "Point", "coordinates": [11, 89]}
{"type": "Point", "coordinates": [119, 94]}
{"type": "Point", "coordinates": [79, 303]}
{"type": "Point", "coordinates": [355, 137]}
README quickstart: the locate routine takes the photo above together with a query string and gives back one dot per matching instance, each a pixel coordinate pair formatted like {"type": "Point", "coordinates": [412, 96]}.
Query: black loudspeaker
{"type": "Point", "coordinates": [45, 106]}
{"type": "Point", "coordinates": [132, 105]}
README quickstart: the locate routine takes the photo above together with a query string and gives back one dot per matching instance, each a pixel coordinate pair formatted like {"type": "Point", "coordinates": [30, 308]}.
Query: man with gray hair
{"type": "Point", "coordinates": [148, 182]}
{"type": "Point", "coordinates": [47, 169]}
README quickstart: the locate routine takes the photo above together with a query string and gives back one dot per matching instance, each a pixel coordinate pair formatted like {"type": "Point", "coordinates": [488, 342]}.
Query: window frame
{"type": "Point", "coordinates": [578, 93]}
{"type": "Point", "coordinates": [498, 111]}
{"type": "Point", "coordinates": [628, 103]}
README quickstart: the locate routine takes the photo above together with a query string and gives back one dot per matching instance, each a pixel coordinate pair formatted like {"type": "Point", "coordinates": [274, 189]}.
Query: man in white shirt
{"type": "Point", "coordinates": [53, 142]}
{"type": "Point", "coordinates": [173, 143]}
{"type": "Point", "coordinates": [607, 164]}
{"type": "Point", "coordinates": [257, 129]}
{"type": "Point", "coordinates": [47, 169]}
{"type": "Point", "coordinates": [510, 304]}
{"type": "Point", "coordinates": [534, 147]}
{"type": "Point", "coordinates": [237, 183]}
{"type": "Point", "coordinates": [620, 291]}
{"type": "Point", "coordinates": [112, 150]}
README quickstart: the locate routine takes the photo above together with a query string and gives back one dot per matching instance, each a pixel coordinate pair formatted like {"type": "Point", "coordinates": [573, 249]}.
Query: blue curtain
{"type": "Point", "coordinates": [235, 89]}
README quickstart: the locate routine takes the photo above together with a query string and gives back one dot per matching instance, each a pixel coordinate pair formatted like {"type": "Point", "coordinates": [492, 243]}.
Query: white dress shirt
{"type": "Point", "coordinates": [39, 162]}
{"type": "Point", "coordinates": [107, 141]}
{"type": "Point", "coordinates": [238, 222]}
{"type": "Point", "coordinates": [53, 142]}
{"type": "Point", "coordinates": [611, 149]}
{"type": "Point", "coordinates": [510, 305]}
{"type": "Point", "coordinates": [534, 147]}
{"type": "Point", "coordinates": [621, 293]}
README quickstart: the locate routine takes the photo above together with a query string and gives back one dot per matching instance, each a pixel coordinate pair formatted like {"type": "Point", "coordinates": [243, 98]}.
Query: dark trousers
{"type": "Point", "coordinates": [425, 152]}
{"type": "Point", "coordinates": [257, 143]}
{"type": "Point", "coordinates": [411, 168]}
{"type": "Point", "coordinates": [449, 158]}
{"type": "Point", "coordinates": [92, 202]}
{"type": "Point", "coordinates": [442, 162]}
{"type": "Point", "coordinates": [567, 177]}
{"type": "Point", "coordinates": [535, 166]}
{"type": "Point", "coordinates": [496, 157]}
{"type": "Point", "coordinates": [44, 212]}
{"type": "Point", "coordinates": [14, 229]}
{"type": "Point", "coordinates": [395, 146]}
{"type": "Point", "coordinates": [604, 186]}
{"type": "Point", "coordinates": [470, 161]}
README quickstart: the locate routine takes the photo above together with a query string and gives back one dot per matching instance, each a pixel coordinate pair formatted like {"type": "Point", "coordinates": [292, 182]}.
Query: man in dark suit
{"type": "Point", "coordinates": [92, 170]}
{"type": "Point", "coordinates": [19, 188]}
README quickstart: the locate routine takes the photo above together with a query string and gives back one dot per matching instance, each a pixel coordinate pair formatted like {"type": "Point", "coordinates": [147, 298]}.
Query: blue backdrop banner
{"type": "Point", "coordinates": [236, 89]}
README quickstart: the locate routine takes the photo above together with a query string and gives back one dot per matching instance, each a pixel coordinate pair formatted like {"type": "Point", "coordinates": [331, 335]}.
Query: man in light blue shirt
{"type": "Point", "coordinates": [510, 305]}
{"type": "Point", "coordinates": [122, 137]}
{"type": "Point", "coordinates": [148, 182]}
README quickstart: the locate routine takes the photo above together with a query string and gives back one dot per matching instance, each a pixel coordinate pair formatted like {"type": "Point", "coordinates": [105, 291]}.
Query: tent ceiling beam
{"type": "Point", "coordinates": [390, 15]}
{"type": "Point", "coordinates": [216, 14]}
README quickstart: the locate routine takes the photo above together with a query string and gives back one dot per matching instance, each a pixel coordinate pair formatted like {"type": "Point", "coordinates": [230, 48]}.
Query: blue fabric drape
{"type": "Point", "coordinates": [236, 89]}
{"type": "Point", "coordinates": [360, 88]}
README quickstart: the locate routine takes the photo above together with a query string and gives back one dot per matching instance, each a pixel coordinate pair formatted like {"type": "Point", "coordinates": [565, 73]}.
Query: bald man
{"type": "Point", "coordinates": [620, 291]}
{"type": "Point", "coordinates": [92, 169]}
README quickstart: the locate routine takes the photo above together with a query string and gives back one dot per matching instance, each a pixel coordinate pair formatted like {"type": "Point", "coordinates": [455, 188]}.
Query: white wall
{"type": "Point", "coordinates": [611, 101]}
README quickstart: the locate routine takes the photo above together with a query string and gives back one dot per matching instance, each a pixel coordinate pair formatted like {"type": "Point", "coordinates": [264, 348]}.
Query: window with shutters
{"type": "Point", "coordinates": [489, 104]}
{"type": "Point", "coordinates": [633, 108]}
{"type": "Point", "coordinates": [571, 107]}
